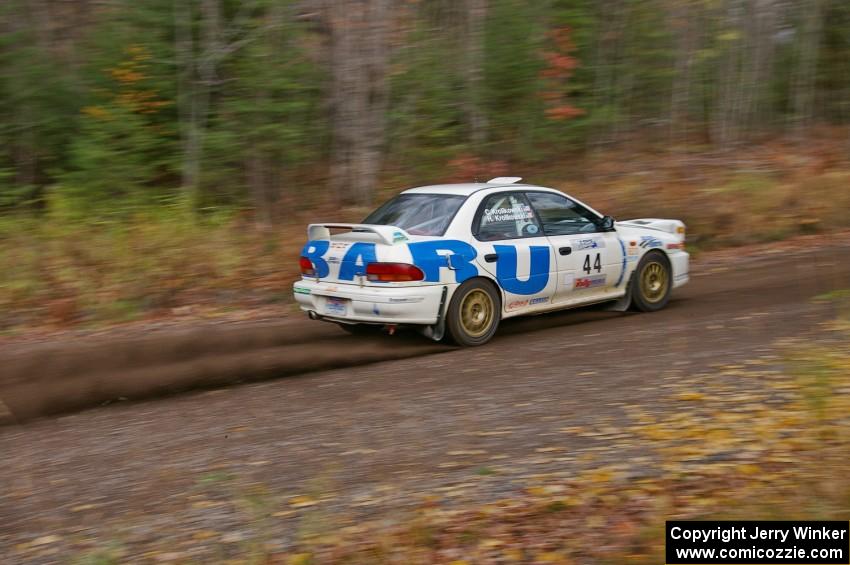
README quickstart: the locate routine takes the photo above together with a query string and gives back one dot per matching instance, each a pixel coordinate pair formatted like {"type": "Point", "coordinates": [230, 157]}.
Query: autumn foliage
{"type": "Point", "coordinates": [560, 65]}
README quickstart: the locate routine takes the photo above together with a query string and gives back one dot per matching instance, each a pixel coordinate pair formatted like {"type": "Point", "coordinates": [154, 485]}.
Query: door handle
{"type": "Point", "coordinates": [565, 250]}
{"type": "Point", "coordinates": [491, 257]}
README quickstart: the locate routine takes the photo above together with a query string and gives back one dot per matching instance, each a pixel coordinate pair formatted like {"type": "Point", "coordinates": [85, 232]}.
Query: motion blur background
{"type": "Point", "coordinates": [159, 161]}
{"type": "Point", "coordinates": [165, 155]}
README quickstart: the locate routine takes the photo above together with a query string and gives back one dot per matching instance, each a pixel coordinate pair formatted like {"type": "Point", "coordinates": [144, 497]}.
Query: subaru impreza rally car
{"type": "Point", "coordinates": [455, 259]}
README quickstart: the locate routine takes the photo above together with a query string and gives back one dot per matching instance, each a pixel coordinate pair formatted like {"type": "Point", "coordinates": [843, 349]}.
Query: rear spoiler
{"type": "Point", "coordinates": [387, 234]}
{"type": "Point", "coordinates": [676, 227]}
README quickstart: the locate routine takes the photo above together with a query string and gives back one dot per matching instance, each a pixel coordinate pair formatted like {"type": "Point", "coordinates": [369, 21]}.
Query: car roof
{"type": "Point", "coordinates": [466, 189]}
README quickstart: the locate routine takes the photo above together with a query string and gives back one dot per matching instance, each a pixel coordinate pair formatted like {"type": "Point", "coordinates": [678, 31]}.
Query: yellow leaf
{"type": "Point", "coordinates": [301, 501]}
{"type": "Point", "coordinates": [749, 469]}
{"type": "Point", "coordinates": [300, 559]}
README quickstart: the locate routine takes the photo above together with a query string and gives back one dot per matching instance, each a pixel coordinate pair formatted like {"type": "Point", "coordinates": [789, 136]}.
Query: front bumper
{"type": "Point", "coordinates": [350, 303]}
{"type": "Point", "coordinates": [680, 261]}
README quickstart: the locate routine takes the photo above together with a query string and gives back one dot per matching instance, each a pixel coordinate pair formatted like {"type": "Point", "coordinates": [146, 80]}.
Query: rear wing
{"type": "Point", "coordinates": [389, 235]}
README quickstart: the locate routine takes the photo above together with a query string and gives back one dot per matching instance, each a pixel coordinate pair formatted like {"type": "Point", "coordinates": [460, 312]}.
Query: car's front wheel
{"type": "Point", "coordinates": [652, 282]}
{"type": "Point", "coordinates": [474, 313]}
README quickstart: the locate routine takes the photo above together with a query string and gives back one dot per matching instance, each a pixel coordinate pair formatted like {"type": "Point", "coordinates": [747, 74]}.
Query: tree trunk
{"type": "Point", "coordinates": [196, 76]}
{"type": "Point", "coordinates": [359, 32]}
{"type": "Point", "coordinates": [803, 95]}
{"type": "Point", "coordinates": [185, 54]}
{"type": "Point", "coordinates": [475, 18]}
{"type": "Point", "coordinates": [687, 37]}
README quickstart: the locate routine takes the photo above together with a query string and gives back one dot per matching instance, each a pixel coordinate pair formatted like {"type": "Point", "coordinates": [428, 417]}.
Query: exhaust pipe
{"type": "Point", "coordinates": [312, 315]}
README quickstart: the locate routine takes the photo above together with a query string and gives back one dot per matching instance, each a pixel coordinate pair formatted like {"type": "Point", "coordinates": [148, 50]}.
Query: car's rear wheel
{"type": "Point", "coordinates": [652, 282]}
{"type": "Point", "coordinates": [474, 313]}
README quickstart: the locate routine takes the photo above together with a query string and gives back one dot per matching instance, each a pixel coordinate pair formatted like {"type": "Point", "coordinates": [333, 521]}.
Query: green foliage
{"type": "Point", "coordinates": [426, 118]}
{"type": "Point", "coordinates": [96, 116]}
{"type": "Point", "coordinates": [514, 38]}
{"type": "Point", "coordinates": [269, 117]}
{"type": "Point", "coordinates": [37, 113]}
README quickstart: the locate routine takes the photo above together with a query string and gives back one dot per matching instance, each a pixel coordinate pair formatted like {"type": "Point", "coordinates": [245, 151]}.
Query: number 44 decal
{"type": "Point", "coordinates": [597, 264]}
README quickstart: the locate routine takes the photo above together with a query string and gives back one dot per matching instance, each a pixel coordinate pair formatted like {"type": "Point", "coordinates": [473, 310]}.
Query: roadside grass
{"type": "Point", "coordinates": [776, 452]}
{"type": "Point", "coordinates": [768, 438]}
{"type": "Point", "coordinates": [66, 270]}
{"type": "Point", "coordinates": [152, 265]}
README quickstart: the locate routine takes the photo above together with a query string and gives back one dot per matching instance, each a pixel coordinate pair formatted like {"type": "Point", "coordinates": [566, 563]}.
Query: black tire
{"type": "Point", "coordinates": [474, 313]}
{"type": "Point", "coordinates": [652, 282]}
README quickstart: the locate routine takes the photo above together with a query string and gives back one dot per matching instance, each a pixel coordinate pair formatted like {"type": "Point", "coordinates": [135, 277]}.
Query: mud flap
{"type": "Point", "coordinates": [624, 302]}
{"type": "Point", "coordinates": [438, 330]}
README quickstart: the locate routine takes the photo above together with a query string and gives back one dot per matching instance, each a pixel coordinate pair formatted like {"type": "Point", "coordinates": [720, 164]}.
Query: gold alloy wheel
{"type": "Point", "coordinates": [654, 281]}
{"type": "Point", "coordinates": [476, 313]}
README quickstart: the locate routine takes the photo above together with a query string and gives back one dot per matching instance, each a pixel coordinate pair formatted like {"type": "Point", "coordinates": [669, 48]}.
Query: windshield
{"type": "Point", "coordinates": [418, 214]}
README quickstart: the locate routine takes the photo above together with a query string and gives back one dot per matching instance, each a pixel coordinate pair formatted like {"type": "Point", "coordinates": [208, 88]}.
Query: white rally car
{"type": "Point", "coordinates": [455, 259]}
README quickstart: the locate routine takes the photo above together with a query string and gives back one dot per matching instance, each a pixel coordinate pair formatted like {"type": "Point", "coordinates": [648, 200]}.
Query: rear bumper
{"type": "Point", "coordinates": [355, 304]}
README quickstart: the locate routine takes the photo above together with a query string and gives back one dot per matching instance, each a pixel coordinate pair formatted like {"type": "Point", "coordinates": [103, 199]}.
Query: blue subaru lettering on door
{"type": "Point", "coordinates": [506, 269]}
{"type": "Point", "coordinates": [428, 257]}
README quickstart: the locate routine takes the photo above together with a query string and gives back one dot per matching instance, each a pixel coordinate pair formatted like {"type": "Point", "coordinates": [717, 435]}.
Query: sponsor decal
{"type": "Point", "coordinates": [339, 245]}
{"type": "Point", "coordinates": [314, 250]}
{"type": "Point", "coordinates": [299, 290]}
{"type": "Point", "coordinates": [433, 258]}
{"type": "Point", "coordinates": [356, 258]}
{"type": "Point", "coordinates": [538, 300]}
{"type": "Point", "coordinates": [650, 242]}
{"type": "Point", "coordinates": [594, 281]}
{"type": "Point", "coordinates": [506, 269]}
{"type": "Point", "coordinates": [675, 246]}
{"type": "Point", "coordinates": [518, 212]}
{"type": "Point", "coordinates": [517, 304]}
{"type": "Point", "coordinates": [588, 243]}
{"type": "Point", "coordinates": [625, 262]}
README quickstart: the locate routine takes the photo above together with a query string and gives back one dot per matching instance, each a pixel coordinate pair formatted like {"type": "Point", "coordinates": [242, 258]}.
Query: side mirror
{"type": "Point", "coordinates": [607, 223]}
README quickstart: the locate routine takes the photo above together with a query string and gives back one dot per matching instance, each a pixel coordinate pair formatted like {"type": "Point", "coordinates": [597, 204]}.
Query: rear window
{"type": "Point", "coordinates": [418, 214]}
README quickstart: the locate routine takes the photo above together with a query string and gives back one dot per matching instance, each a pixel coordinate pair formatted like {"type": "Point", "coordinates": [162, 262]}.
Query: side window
{"type": "Point", "coordinates": [506, 215]}
{"type": "Point", "coordinates": [562, 216]}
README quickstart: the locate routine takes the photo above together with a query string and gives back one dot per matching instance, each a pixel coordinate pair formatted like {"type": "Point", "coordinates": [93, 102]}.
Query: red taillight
{"type": "Point", "coordinates": [307, 268]}
{"type": "Point", "coordinates": [393, 272]}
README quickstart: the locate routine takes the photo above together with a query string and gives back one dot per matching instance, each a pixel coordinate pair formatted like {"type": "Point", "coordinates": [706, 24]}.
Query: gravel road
{"type": "Point", "coordinates": [372, 439]}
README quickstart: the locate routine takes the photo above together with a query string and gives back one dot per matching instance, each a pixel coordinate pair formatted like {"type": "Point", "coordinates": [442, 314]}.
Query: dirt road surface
{"type": "Point", "coordinates": [192, 473]}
